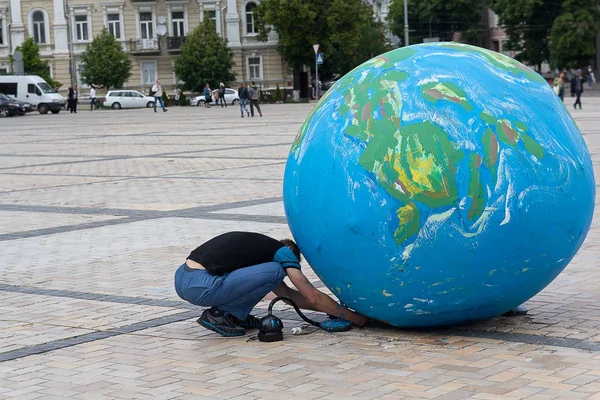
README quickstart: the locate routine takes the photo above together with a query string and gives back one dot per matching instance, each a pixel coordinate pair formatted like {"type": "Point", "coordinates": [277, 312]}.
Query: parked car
{"type": "Point", "coordinates": [118, 99]}
{"type": "Point", "coordinates": [34, 90]}
{"type": "Point", "coordinates": [231, 97]}
{"type": "Point", "coordinates": [10, 107]}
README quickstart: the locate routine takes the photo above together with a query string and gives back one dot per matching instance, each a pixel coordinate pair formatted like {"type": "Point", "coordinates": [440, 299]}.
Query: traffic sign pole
{"type": "Point", "coordinates": [316, 79]}
{"type": "Point", "coordinates": [316, 49]}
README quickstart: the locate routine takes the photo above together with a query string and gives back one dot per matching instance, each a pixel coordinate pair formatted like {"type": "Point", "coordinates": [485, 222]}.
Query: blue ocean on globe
{"type": "Point", "coordinates": [437, 184]}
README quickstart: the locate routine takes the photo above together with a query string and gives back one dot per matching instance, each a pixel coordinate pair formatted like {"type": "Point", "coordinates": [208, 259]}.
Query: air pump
{"type": "Point", "coordinates": [271, 327]}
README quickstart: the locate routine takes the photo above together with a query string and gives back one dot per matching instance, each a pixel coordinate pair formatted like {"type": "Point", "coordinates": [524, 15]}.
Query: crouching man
{"type": "Point", "coordinates": [232, 272]}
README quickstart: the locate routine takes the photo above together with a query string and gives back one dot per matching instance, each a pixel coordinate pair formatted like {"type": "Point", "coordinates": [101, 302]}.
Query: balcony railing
{"type": "Point", "coordinates": [144, 46]}
{"type": "Point", "coordinates": [174, 43]}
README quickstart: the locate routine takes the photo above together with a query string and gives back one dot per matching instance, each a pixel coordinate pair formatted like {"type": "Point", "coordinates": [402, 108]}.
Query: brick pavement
{"type": "Point", "coordinates": [94, 221]}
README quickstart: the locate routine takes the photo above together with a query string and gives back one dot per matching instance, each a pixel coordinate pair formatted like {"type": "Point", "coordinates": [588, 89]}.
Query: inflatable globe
{"type": "Point", "coordinates": [438, 184]}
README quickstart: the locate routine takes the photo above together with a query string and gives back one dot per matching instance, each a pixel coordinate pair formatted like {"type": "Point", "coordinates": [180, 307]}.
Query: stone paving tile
{"type": "Point", "coordinates": [28, 320]}
{"type": "Point", "coordinates": [16, 221]}
{"type": "Point", "coordinates": [24, 182]}
{"type": "Point", "coordinates": [142, 167]}
{"type": "Point", "coordinates": [275, 208]}
{"type": "Point", "coordinates": [223, 368]}
{"type": "Point", "coordinates": [147, 194]}
{"type": "Point", "coordinates": [7, 163]}
{"type": "Point", "coordinates": [271, 171]}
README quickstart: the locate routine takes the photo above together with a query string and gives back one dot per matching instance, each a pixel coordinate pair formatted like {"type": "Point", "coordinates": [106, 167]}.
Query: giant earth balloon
{"type": "Point", "coordinates": [437, 184]}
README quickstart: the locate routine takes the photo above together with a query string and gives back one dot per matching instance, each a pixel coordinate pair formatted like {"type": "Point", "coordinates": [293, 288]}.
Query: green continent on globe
{"type": "Point", "coordinates": [435, 91]}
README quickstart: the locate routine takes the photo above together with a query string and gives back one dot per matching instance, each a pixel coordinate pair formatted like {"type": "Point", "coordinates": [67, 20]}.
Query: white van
{"type": "Point", "coordinates": [32, 89]}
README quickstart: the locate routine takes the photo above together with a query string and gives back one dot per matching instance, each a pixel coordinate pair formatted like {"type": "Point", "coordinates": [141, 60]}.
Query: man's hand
{"type": "Point", "coordinates": [320, 301]}
{"type": "Point", "coordinates": [361, 320]}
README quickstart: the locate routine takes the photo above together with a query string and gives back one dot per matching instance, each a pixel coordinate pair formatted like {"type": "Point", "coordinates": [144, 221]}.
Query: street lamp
{"type": "Point", "coordinates": [406, 23]}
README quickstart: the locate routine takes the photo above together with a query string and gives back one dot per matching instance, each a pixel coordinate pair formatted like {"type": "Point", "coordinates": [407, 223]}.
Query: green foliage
{"type": "Point", "coordinates": [528, 24]}
{"type": "Point", "coordinates": [165, 98]}
{"type": "Point", "coordinates": [32, 62]}
{"type": "Point", "coordinates": [205, 57]}
{"type": "Point", "coordinates": [339, 26]}
{"type": "Point", "coordinates": [278, 94]}
{"type": "Point", "coordinates": [104, 63]}
{"type": "Point", "coordinates": [183, 100]}
{"type": "Point", "coordinates": [442, 17]}
{"type": "Point", "coordinates": [573, 35]}
{"type": "Point", "coordinates": [560, 31]}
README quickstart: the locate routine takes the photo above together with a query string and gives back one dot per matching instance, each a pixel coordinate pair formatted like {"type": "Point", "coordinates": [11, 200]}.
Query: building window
{"type": "Point", "coordinates": [146, 25]}
{"type": "Point", "coordinates": [250, 25]}
{"type": "Point", "coordinates": [114, 25]}
{"type": "Point", "coordinates": [1, 32]}
{"type": "Point", "coordinates": [148, 72]}
{"type": "Point", "coordinates": [81, 27]}
{"type": "Point", "coordinates": [254, 68]}
{"type": "Point", "coordinates": [80, 82]}
{"type": "Point", "coordinates": [178, 23]}
{"type": "Point", "coordinates": [213, 16]}
{"type": "Point", "coordinates": [39, 27]}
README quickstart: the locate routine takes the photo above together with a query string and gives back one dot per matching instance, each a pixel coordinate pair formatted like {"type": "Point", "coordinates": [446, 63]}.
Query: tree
{"type": "Point", "coordinates": [355, 35]}
{"type": "Point", "coordinates": [205, 58]}
{"type": "Point", "coordinates": [573, 34]}
{"type": "Point", "coordinates": [104, 63]}
{"type": "Point", "coordinates": [438, 18]}
{"type": "Point", "coordinates": [560, 31]}
{"type": "Point", "coordinates": [338, 26]}
{"type": "Point", "coordinates": [33, 64]}
{"type": "Point", "coordinates": [528, 24]}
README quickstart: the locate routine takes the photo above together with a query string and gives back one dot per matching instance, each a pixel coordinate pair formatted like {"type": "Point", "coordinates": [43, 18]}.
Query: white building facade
{"type": "Point", "coordinates": [63, 29]}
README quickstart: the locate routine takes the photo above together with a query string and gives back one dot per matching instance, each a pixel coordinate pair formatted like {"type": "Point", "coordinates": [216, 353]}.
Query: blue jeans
{"type": "Point", "coordinates": [243, 107]}
{"type": "Point", "coordinates": [237, 292]}
{"type": "Point", "coordinates": [156, 100]}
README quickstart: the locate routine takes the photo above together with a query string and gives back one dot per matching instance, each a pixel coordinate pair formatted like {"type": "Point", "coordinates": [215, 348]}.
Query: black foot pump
{"type": "Point", "coordinates": [271, 327]}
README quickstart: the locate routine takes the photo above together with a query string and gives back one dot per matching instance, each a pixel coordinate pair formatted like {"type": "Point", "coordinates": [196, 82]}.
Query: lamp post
{"type": "Point", "coordinates": [406, 43]}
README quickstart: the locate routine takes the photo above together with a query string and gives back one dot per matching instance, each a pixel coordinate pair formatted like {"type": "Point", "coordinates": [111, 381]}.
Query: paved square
{"type": "Point", "coordinates": [98, 209]}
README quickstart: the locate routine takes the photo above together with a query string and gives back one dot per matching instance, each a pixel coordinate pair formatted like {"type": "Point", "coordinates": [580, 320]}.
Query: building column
{"type": "Point", "coordinates": [232, 20]}
{"type": "Point", "coordinates": [17, 29]}
{"type": "Point", "coordinates": [61, 37]}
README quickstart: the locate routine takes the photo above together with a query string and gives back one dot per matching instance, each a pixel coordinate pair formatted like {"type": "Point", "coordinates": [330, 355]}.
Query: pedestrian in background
{"type": "Point", "coordinates": [157, 93]}
{"type": "Point", "coordinates": [69, 101]}
{"type": "Point", "coordinates": [93, 99]}
{"type": "Point", "coordinates": [254, 94]}
{"type": "Point", "coordinates": [559, 86]}
{"type": "Point", "coordinates": [243, 94]}
{"type": "Point", "coordinates": [177, 96]}
{"type": "Point", "coordinates": [207, 96]}
{"type": "Point", "coordinates": [591, 78]}
{"type": "Point", "coordinates": [222, 95]}
{"type": "Point", "coordinates": [577, 88]}
{"type": "Point", "coordinates": [72, 97]}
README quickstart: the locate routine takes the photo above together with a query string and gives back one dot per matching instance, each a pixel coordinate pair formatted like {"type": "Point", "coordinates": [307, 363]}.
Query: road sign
{"type": "Point", "coordinates": [316, 48]}
{"type": "Point", "coordinates": [18, 56]}
{"type": "Point", "coordinates": [320, 58]}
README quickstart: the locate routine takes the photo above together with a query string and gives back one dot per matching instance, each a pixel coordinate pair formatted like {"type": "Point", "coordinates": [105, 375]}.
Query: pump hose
{"type": "Point", "coordinates": [331, 325]}
{"type": "Point", "coordinates": [293, 304]}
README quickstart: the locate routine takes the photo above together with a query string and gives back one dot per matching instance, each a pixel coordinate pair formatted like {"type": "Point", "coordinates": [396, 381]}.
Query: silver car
{"type": "Point", "coordinates": [231, 97]}
{"type": "Point", "coordinates": [118, 99]}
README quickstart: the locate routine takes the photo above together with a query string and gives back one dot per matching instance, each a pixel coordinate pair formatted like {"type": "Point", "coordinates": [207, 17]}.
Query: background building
{"type": "Point", "coordinates": [63, 29]}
